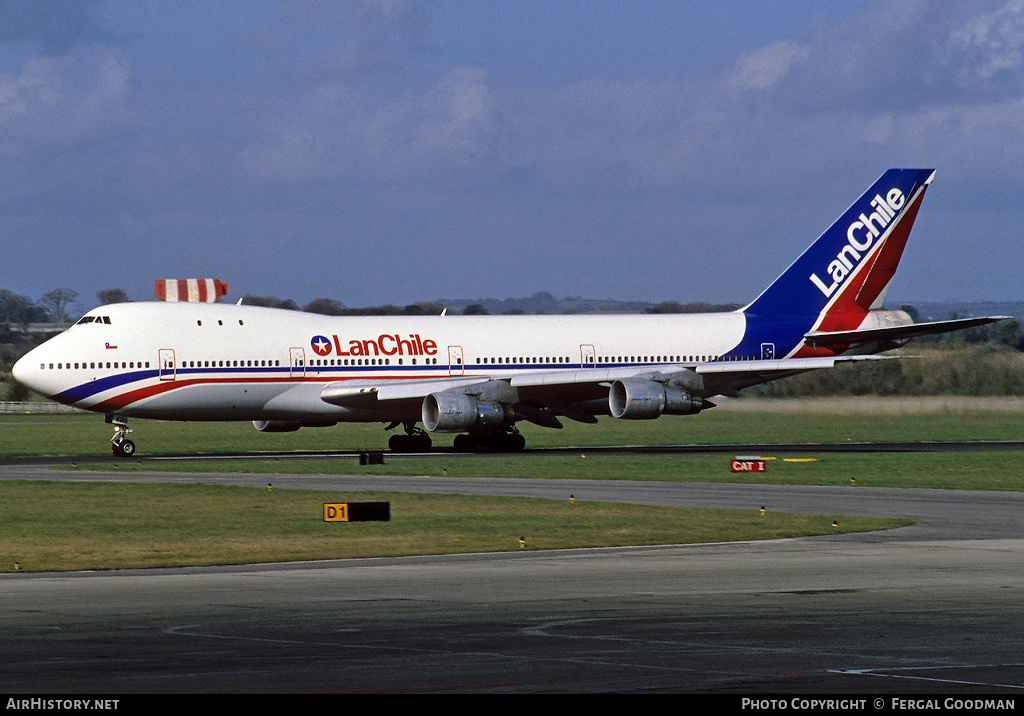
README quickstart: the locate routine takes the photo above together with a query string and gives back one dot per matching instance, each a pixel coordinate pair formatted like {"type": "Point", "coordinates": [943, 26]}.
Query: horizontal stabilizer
{"type": "Point", "coordinates": [896, 333]}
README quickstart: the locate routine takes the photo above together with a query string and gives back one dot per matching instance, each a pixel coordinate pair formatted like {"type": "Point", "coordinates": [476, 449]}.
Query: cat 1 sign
{"type": "Point", "coordinates": [747, 463]}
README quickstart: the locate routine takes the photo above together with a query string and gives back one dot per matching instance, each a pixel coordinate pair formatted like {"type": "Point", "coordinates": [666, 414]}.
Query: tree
{"type": "Point", "coordinates": [325, 307]}
{"type": "Point", "coordinates": [58, 303]}
{"type": "Point", "coordinates": [19, 310]}
{"type": "Point", "coordinates": [666, 307]}
{"type": "Point", "coordinates": [112, 295]}
{"type": "Point", "coordinates": [269, 302]}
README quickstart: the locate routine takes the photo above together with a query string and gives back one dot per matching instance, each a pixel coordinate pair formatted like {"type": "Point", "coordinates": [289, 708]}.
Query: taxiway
{"type": "Point", "coordinates": [936, 607]}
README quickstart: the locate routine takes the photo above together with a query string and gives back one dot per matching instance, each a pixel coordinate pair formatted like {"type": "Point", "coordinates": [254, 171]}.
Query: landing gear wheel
{"type": "Point", "coordinates": [416, 442]}
{"type": "Point", "coordinates": [124, 448]}
{"type": "Point", "coordinates": [516, 442]}
{"type": "Point", "coordinates": [491, 442]}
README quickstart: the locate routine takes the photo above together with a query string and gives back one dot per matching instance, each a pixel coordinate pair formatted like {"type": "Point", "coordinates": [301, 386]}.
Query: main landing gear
{"type": "Point", "coordinates": [510, 441]}
{"type": "Point", "coordinates": [120, 444]}
{"type": "Point", "coordinates": [414, 440]}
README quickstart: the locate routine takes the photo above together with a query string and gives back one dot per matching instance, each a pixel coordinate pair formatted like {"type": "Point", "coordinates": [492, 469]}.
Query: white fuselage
{"type": "Point", "coordinates": [189, 361]}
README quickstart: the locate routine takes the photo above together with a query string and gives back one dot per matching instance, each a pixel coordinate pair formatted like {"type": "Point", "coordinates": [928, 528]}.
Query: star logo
{"type": "Point", "coordinates": [321, 346]}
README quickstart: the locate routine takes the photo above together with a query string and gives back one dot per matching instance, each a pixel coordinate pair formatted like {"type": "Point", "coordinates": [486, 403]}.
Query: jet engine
{"type": "Point", "coordinates": [449, 412]}
{"type": "Point", "coordinates": [642, 399]}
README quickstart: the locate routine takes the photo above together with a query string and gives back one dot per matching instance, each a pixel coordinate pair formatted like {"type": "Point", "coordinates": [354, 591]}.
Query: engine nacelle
{"type": "Point", "coordinates": [289, 426]}
{"type": "Point", "coordinates": [276, 426]}
{"type": "Point", "coordinates": [448, 412]}
{"type": "Point", "coordinates": [642, 399]}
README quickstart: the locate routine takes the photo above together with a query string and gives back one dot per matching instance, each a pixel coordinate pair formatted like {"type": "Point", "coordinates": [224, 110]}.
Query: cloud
{"type": "Point", "coordinates": [54, 26]}
{"type": "Point", "coordinates": [338, 121]}
{"type": "Point", "coordinates": [336, 131]}
{"type": "Point", "coordinates": [61, 101]}
{"type": "Point", "coordinates": [985, 53]}
{"type": "Point", "coordinates": [326, 40]}
{"type": "Point", "coordinates": [763, 68]}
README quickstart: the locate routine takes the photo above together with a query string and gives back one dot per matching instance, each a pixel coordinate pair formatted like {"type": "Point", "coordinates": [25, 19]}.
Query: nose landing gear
{"type": "Point", "coordinates": [121, 446]}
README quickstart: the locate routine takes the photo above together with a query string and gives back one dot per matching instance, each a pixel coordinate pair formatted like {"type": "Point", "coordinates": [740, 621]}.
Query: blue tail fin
{"type": "Point", "coordinates": [846, 272]}
{"type": "Point", "coordinates": [831, 264]}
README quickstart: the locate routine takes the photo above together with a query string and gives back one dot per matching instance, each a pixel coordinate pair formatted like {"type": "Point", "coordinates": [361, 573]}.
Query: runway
{"type": "Point", "coordinates": [933, 608]}
{"type": "Point", "coordinates": [449, 453]}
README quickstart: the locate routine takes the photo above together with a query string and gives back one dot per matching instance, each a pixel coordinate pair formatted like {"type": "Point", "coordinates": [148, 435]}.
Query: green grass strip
{"type": "Point", "coordinates": [64, 526]}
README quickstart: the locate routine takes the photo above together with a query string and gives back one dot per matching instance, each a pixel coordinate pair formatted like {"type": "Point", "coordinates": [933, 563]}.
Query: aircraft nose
{"type": "Point", "coordinates": [23, 373]}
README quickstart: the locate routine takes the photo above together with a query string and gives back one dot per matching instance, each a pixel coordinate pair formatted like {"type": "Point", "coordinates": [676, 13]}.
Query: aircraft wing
{"type": "Point", "coordinates": [565, 392]}
{"type": "Point", "coordinates": [896, 333]}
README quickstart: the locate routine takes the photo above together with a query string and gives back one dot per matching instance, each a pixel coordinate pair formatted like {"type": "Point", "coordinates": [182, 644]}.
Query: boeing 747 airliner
{"type": "Point", "coordinates": [478, 376]}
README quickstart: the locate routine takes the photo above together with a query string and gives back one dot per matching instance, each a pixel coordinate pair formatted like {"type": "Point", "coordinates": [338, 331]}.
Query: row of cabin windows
{"type": "Point", "coordinates": [618, 359]}
{"type": "Point", "coordinates": [93, 365]}
{"type": "Point", "coordinates": [222, 363]}
{"type": "Point", "coordinates": [519, 359]}
{"type": "Point", "coordinates": [673, 359]}
{"type": "Point", "coordinates": [228, 363]}
{"type": "Point", "coordinates": [383, 361]}
{"type": "Point", "coordinates": [319, 362]}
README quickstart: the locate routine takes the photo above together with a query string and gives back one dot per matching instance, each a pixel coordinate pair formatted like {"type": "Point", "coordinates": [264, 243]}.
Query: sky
{"type": "Point", "coordinates": [394, 151]}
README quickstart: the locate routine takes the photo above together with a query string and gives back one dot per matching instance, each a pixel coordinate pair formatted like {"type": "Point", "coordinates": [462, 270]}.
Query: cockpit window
{"type": "Point", "coordinates": [93, 319]}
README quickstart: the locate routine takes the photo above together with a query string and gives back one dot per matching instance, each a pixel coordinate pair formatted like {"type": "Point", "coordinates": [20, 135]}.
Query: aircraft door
{"type": "Point", "coordinates": [455, 363]}
{"type": "Point", "coordinates": [166, 364]}
{"type": "Point", "coordinates": [588, 355]}
{"type": "Point", "coordinates": [767, 351]}
{"type": "Point", "coordinates": [296, 362]}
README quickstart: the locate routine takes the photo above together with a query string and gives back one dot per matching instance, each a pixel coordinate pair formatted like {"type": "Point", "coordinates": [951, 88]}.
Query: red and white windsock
{"type": "Point", "coordinates": [201, 290]}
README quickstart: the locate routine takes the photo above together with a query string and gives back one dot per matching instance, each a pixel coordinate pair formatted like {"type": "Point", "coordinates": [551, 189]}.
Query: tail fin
{"type": "Point", "coordinates": [847, 271]}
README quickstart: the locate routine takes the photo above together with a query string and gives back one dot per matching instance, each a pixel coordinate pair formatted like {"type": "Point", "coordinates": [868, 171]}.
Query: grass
{"type": "Point", "coordinates": [48, 526]}
{"type": "Point", "coordinates": [86, 434]}
{"type": "Point", "coordinates": [64, 526]}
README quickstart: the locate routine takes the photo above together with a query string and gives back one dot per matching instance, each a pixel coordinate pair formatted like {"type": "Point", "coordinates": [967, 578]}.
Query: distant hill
{"type": "Point", "coordinates": [939, 311]}
{"type": "Point", "coordinates": [544, 302]}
